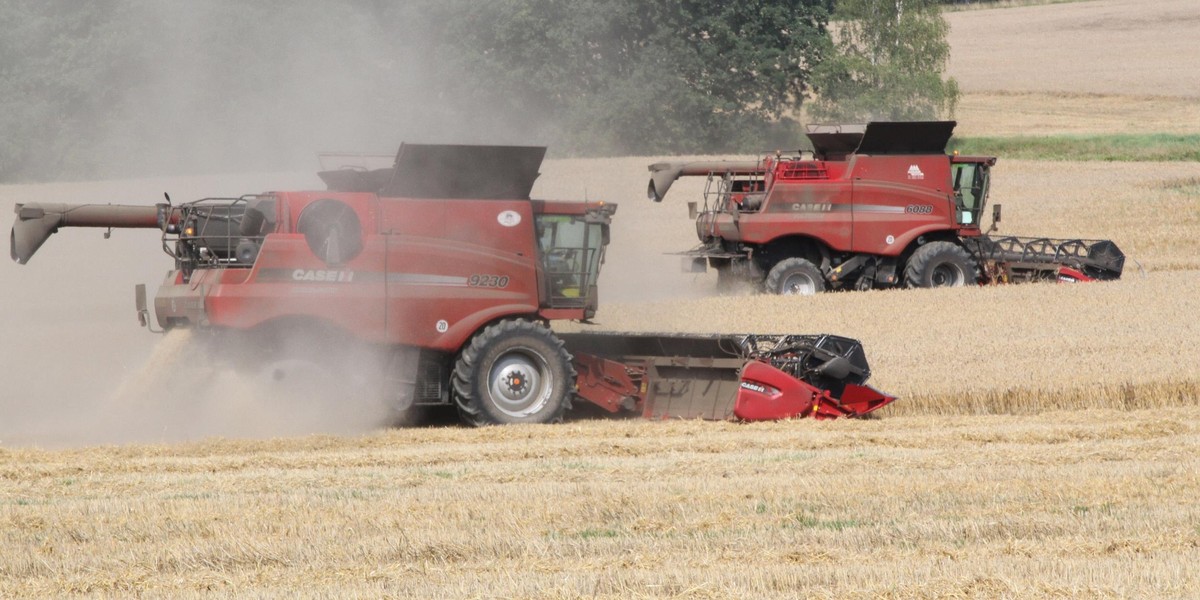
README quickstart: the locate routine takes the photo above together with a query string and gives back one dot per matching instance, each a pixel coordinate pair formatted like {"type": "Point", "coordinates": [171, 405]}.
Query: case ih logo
{"type": "Point", "coordinates": [914, 172]}
{"type": "Point", "coordinates": [319, 275]}
{"type": "Point", "coordinates": [762, 389]}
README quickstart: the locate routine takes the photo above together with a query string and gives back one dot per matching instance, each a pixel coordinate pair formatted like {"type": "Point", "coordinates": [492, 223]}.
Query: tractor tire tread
{"type": "Point", "coordinates": [778, 272]}
{"type": "Point", "coordinates": [468, 406]}
{"type": "Point", "coordinates": [919, 264]}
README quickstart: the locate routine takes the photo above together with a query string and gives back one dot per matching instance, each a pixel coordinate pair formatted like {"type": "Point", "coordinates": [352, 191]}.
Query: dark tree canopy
{"type": "Point", "coordinates": [634, 76]}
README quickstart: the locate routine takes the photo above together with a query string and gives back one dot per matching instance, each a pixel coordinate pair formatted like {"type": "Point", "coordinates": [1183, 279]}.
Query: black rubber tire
{"type": "Point", "coordinates": [794, 277]}
{"type": "Point", "coordinates": [941, 264]}
{"type": "Point", "coordinates": [530, 356]}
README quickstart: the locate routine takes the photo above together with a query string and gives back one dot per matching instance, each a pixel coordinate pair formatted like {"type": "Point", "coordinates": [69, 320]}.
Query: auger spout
{"type": "Point", "coordinates": [36, 222]}
{"type": "Point", "coordinates": [663, 174]}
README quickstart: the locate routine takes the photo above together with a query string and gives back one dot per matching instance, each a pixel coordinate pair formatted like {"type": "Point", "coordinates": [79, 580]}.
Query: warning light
{"type": "Point", "coordinates": [189, 231]}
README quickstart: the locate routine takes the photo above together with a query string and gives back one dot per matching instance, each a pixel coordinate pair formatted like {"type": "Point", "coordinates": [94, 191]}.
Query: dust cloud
{"type": "Point", "coordinates": [216, 87]}
{"type": "Point", "coordinates": [69, 336]}
{"type": "Point", "coordinates": [181, 393]}
{"type": "Point", "coordinates": [189, 92]}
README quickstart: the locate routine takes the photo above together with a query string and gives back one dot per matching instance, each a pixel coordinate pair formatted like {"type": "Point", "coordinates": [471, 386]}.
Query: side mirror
{"type": "Point", "coordinates": [996, 213]}
{"type": "Point", "coordinates": [693, 211]}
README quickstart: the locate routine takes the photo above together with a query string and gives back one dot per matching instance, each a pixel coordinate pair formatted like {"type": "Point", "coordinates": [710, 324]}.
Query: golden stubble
{"type": "Point", "coordinates": [1060, 504]}
{"type": "Point", "coordinates": [1127, 47]}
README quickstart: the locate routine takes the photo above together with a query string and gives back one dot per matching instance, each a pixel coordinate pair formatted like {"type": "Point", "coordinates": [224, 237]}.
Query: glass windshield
{"type": "Point", "coordinates": [970, 189]}
{"type": "Point", "coordinates": [571, 250]}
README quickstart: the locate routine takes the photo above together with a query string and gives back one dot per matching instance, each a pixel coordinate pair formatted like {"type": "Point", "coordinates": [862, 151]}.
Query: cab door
{"type": "Point", "coordinates": [970, 192]}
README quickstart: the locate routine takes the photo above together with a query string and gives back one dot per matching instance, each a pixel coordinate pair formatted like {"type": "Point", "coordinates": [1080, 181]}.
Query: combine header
{"type": "Point", "coordinates": [434, 281]}
{"type": "Point", "coordinates": [872, 207]}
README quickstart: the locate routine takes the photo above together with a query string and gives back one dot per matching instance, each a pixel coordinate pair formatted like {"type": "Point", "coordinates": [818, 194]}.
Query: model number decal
{"type": "Point", "coordinates": [919, 209]}
{"type": "Point", "coordinates": [495, 281]}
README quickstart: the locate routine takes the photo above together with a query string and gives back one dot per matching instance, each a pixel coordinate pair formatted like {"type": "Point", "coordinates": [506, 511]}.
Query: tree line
{"type": "Point", "coordinates": [117, 88]}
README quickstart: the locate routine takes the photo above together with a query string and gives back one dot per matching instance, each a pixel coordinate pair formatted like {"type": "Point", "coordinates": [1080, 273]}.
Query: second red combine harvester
{"type": "Point", "coordinates": [433, 282]}
{"type": "Point", "coordinates": [870, 207]}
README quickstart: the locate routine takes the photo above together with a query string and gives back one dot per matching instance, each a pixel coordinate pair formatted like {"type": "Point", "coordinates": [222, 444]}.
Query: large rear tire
{"type": "Point", "coordinates": [941, 264]}
{"type": "Point", "coordinates": [795, 277]}
{"type": "Point", "coordinates": [513, 372]}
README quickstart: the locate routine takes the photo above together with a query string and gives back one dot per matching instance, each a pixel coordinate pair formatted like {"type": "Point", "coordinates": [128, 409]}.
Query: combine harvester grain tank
{"type": "Point", "coordinates": [873, 206]}
{"type": "Point", "coordinates": [444, 273]}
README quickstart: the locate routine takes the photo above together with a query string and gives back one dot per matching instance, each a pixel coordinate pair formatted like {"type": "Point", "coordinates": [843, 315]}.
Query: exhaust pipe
{"type": "Point", "coordinates": [36, 222]}
{"type": "Point", "coordinates": [663, 174]}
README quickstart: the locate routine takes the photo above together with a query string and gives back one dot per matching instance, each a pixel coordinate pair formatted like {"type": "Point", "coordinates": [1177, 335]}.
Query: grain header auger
{"type": "Point", "coordinates": [870, 207]}
{"type": "Point", "coordinates": [434, 280]}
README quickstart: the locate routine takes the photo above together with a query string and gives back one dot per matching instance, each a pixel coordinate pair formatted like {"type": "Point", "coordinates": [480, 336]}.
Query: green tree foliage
{"type": "Point", "coordinates": [644, 76]}
{"type": "Point", "coordinates": [890, 58]}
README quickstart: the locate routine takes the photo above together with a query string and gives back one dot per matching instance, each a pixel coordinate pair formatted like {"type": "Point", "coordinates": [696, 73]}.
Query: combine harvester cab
{"type": "Point", "coordinates": [872, 206]}
{"type": "Point", "coordinates": [437, 276]}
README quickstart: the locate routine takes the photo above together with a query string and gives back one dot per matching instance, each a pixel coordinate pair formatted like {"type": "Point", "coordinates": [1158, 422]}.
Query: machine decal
{"type": "Point", "coordinates": [812, 207]}
{"type": "Point", "coordinates": [509, 218]}
{"type": "Point", "coordinates": [915, 172]}
{"type": "Point", "coordinates": [323, 276]}
{"type": "Point", "coordinates": [874, 208]}
{"type": "Point", "coordinates": [442, 326]}
{"type": "Point", "coordinates": [919, 209]}
{"type": "Point", "coordinates": [891, 239]}
{"type": "Point", "coordinates": [808, 208]}
{"type": "Point", "coordinates": [496, 281]}
{"type": "Point", "coordinates": [426, 279]}
{"type": "Point", "coordinates": [762, 389]}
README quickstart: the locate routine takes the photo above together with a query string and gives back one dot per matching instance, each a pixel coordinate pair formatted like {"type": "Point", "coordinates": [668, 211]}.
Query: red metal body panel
{"type": "Point", "coordinates": [606, 383]}
{"type": "Point", "coordinates": [853, 206]}
{"type": "Point", "coordinates": [1069, 275]}
{"type": "Point", "coordinates": [411, 284]}
{"type": "Point", "coordinates": [768, 394]}
{"type": "Point", "coordinates": [898, 198]}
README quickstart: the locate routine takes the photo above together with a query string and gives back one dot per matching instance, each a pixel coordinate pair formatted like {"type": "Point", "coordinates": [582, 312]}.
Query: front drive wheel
{"type": "Point", "coordinates": [513, 372]}
{"type": "Point", "coordinates": [795, 277]}
{"type": "Point", "coordinates": [940, 264]}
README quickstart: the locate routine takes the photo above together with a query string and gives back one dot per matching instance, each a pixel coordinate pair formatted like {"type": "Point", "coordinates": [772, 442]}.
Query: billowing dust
{"type": "Point", "coordinates": [182, 392]}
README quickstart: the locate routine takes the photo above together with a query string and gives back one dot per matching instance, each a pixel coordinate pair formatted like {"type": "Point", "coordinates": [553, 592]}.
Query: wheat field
{"type": "Point", "coordinates": [1044, 444]}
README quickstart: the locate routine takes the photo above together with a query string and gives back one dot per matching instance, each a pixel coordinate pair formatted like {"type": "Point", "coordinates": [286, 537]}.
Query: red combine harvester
{"type": "Point", "coordinates": [872, 207]}
{"type": "Point", "coordinates": [438, 277]}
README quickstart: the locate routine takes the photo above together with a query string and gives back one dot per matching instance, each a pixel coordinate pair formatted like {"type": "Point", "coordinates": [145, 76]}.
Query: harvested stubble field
{"type": "Point", "coordinates": [1094, 504]}
{"type": "Point", "coordinates": [1044, 446]}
